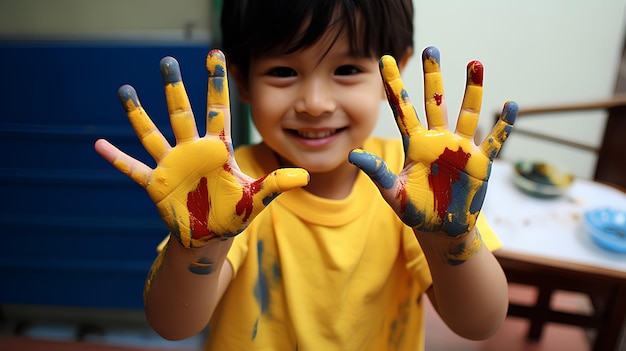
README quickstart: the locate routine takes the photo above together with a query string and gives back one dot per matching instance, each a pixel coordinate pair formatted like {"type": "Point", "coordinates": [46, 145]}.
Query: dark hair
{"type": "Point", "coordinates": [257, 27]}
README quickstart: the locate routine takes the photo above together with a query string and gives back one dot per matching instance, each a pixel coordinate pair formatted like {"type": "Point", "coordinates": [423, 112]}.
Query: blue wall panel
{"type": "Point", "coordinates": [73, 230]}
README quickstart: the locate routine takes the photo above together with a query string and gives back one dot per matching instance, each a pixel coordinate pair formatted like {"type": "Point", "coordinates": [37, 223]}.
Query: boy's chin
{"type": "Point", "coordinates": [327, 167]}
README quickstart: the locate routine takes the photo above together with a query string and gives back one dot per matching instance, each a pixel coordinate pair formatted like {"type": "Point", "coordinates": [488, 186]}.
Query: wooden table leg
{"type": "Point", "coordinates": [538, 319]}
{"type": "Point", "coordinates": [607, 288]}
{"type": "Point", "coordinates": [609, 335]}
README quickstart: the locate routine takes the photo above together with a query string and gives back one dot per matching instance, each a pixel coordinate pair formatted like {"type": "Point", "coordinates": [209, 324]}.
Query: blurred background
{"type": "Point", "coordinates": [68, 242]}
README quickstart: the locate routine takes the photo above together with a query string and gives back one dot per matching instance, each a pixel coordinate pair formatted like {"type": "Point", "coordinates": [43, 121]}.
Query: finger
{"type": "Point", "coordinates": [181, 116]}
{"type": "Point", "coordinates": [374, 166]}
{"type": "Point", "coordinates": [272, 185]}
{"type": "Point", "coordinates": [133, 168]}
{"type": "Point", "coordinates": [398, 98]}
{"type": "Point", "coordinates": [218, 118]}
{"type": "Point", "coordinates": [470, 108]}
{"type": "Point", "coordinates": [284, 179]}
{"type": "Point", "coordinates": [434, 101]}
{"type": "Point", "coordinates": [151, 138]}
{"type": "Point", "coordinates": [493, 142]}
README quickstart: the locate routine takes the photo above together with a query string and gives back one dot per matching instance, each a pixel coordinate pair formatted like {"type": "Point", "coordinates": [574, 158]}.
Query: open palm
{"type": "Point", "coordinates": [445, 176]}
{"type": "Point", "coordinates": [197, 186]}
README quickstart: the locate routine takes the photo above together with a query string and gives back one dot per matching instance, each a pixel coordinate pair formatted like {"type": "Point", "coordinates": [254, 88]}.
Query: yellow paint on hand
{"type": "Point", "coordinates": [218, 79]}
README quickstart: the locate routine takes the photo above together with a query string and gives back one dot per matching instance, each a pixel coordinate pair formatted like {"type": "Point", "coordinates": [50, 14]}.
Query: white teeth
{"type": "Point", "coordinates": [316, 135]}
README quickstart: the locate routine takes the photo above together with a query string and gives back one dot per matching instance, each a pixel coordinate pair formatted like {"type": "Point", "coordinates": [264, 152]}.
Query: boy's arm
{"type": "Point", "coordinates": [179, 299]}
{"type": "Point", "coordinates": [201, 195]}
{"type": "Point", "coordinates": [440, 192]}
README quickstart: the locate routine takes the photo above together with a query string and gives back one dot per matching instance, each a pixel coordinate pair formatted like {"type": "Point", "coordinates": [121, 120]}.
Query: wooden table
{"type": "Point", "coordinates": [546, 246]}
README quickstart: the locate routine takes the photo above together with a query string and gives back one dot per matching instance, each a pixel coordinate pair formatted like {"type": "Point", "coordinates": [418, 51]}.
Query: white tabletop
{"type": "Point", "coordinates": [550, 228]}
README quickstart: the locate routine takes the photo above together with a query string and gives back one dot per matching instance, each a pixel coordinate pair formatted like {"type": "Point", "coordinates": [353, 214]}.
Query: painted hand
{"type": "Point", "coordinates": [197, 186]}
{"type": "Point", "coordinates": [445, 176]}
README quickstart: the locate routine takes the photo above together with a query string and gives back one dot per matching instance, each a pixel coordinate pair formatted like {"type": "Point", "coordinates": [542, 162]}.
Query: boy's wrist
{"type": "Point", "coordinates": [454, 250]}
{"type": "Point", "coordinates": [208, 245]}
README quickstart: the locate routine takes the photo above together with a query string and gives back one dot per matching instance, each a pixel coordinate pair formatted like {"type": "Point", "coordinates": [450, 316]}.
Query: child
{"type": "Point", "coordinates": [286, 245]}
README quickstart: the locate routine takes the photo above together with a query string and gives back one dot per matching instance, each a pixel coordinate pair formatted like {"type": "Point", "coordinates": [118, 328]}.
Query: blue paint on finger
{"type": "Point", "coordinates": [509, 113]}
{"type": "Point", "coordinates": [213, 114]}
{"type": "Point", "coordinates": [219, 71]}
{"type": "Point", "coordinates": [170, 70]}
{"type": "Point", "coordinates": [217, 83]}
{"type": "Point", "coordinates": [373, 166]}
{"type": "Point", "coordinates": [433, 53]}
{"type": "Point", "coordinates": [125, 93]}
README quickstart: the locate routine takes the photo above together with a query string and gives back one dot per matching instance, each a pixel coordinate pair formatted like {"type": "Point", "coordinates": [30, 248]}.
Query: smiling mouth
{"type": "Point", "coordinates": [315, 134]}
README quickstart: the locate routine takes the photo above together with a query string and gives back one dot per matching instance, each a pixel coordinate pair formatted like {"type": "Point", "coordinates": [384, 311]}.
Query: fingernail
{"type": "Point", "coordinates": [216, 69]}
{"type": "Point", "coordinates": [509, 113]}
{"type": "Point", "coordinates": [431, 53]}
{"type": "Point", "coordinates": [170, 70]}
{"type": "Point", "coordinates": [127, 93]}
{"type": "Point", "coordinates": [386, 60]}
{"type": "Point", "coordinates": [475, 73]}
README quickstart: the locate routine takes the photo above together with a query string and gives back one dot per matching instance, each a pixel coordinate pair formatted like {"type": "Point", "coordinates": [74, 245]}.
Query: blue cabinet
{"type": "Point", "coordinates": [73, 230]}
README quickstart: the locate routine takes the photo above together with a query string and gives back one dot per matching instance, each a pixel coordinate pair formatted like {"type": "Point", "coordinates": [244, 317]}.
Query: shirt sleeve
{"type": "Point", "coordinates": [489, 237]}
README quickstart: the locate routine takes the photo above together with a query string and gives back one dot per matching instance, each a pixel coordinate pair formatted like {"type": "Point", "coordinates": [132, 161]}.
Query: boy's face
{"type": "Point", "coordinates": [314, 108]}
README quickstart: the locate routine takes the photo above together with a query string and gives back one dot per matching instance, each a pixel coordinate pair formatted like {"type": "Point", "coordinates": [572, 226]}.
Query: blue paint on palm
{"type": "Point", "coordinates": [414, 218]}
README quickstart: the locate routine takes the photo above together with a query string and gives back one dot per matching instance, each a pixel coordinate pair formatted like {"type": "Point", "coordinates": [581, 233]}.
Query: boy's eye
{"type": "Point", "coordinates": [347, 70]}
{"type": "Point", "coordinates": [282, 72]}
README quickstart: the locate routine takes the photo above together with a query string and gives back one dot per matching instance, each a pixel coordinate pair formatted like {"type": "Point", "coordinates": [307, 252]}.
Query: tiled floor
{"type": "Point", "coordinates": [53, 329]}
{"type": "Point", "coordinates": [135, 335]}
{"type": "Point", "coordinates": [512, 334]}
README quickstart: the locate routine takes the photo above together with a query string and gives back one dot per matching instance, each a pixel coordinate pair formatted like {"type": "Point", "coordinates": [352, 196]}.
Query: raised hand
{"type": "Point", "coordinates": [445, 176]}
{"type": "Point", "coordinates": [197, 186]}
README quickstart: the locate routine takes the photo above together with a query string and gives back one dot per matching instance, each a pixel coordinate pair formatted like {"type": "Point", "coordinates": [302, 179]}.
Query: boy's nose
{"type": "Point", "coordinates": [315, 99]}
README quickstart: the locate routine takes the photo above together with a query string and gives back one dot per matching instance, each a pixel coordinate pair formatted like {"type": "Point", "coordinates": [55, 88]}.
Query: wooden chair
{"type": "Point", "coordinates": [603, 288]}
{"type": "Point", "coordinates": [611, 155]}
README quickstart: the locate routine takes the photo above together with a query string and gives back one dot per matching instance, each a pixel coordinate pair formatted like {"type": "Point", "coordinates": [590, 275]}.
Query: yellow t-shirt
{"type": "Point", "coordinates": [318, 274]}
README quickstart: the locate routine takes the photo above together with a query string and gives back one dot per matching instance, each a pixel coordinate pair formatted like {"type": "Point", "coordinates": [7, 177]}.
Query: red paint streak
{"type": "Point", "coordinates": [395, 102]}
{"type": "Point", "coordinates": [226, 166]}
{"type": "Point", "coordinates": [447, 168]}
{"type": "Point", "coordinates": [246, 204]}
{"type": "Point", "coordinates": [404, 198]}
{"type": "Point", "coordinates": [198, 206]}
{"type": "Point", "coordinates": [475, 72]}
{"type": "Point", "coordinates": [438, 98]}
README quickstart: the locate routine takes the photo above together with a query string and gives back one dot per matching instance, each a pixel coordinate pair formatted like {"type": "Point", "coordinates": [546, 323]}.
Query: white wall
{"type": "Point", "coordinates": [107, 19]}
{"type": "Point", "coordinates": [536, 52]}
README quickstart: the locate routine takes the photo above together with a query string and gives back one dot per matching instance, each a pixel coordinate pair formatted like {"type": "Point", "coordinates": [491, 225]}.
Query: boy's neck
{"type": "Point", "coordinates": [336, 184]}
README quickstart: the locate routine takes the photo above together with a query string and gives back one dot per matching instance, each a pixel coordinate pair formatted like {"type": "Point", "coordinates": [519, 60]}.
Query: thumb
{"type": "Point", "coordinates": [374, 166]}
{"type": "Point", "coordinates": [282, 180]}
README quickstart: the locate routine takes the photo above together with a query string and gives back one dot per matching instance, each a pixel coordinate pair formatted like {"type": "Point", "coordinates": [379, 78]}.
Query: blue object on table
{"type": "Point", "coordinates": [607, 228]}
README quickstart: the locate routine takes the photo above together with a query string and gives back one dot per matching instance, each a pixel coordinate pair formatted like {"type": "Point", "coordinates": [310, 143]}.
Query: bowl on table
{"type": "Point", "coordinates": [607, 228]}
{"type": "Point", "coordinates": [541, 179]}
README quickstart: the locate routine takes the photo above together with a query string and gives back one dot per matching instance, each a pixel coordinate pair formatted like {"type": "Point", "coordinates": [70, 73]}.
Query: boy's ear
{"type": "Point", "coordinates": [241, 82]}
{"type": "Point", "coordinates": [402, 62]}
